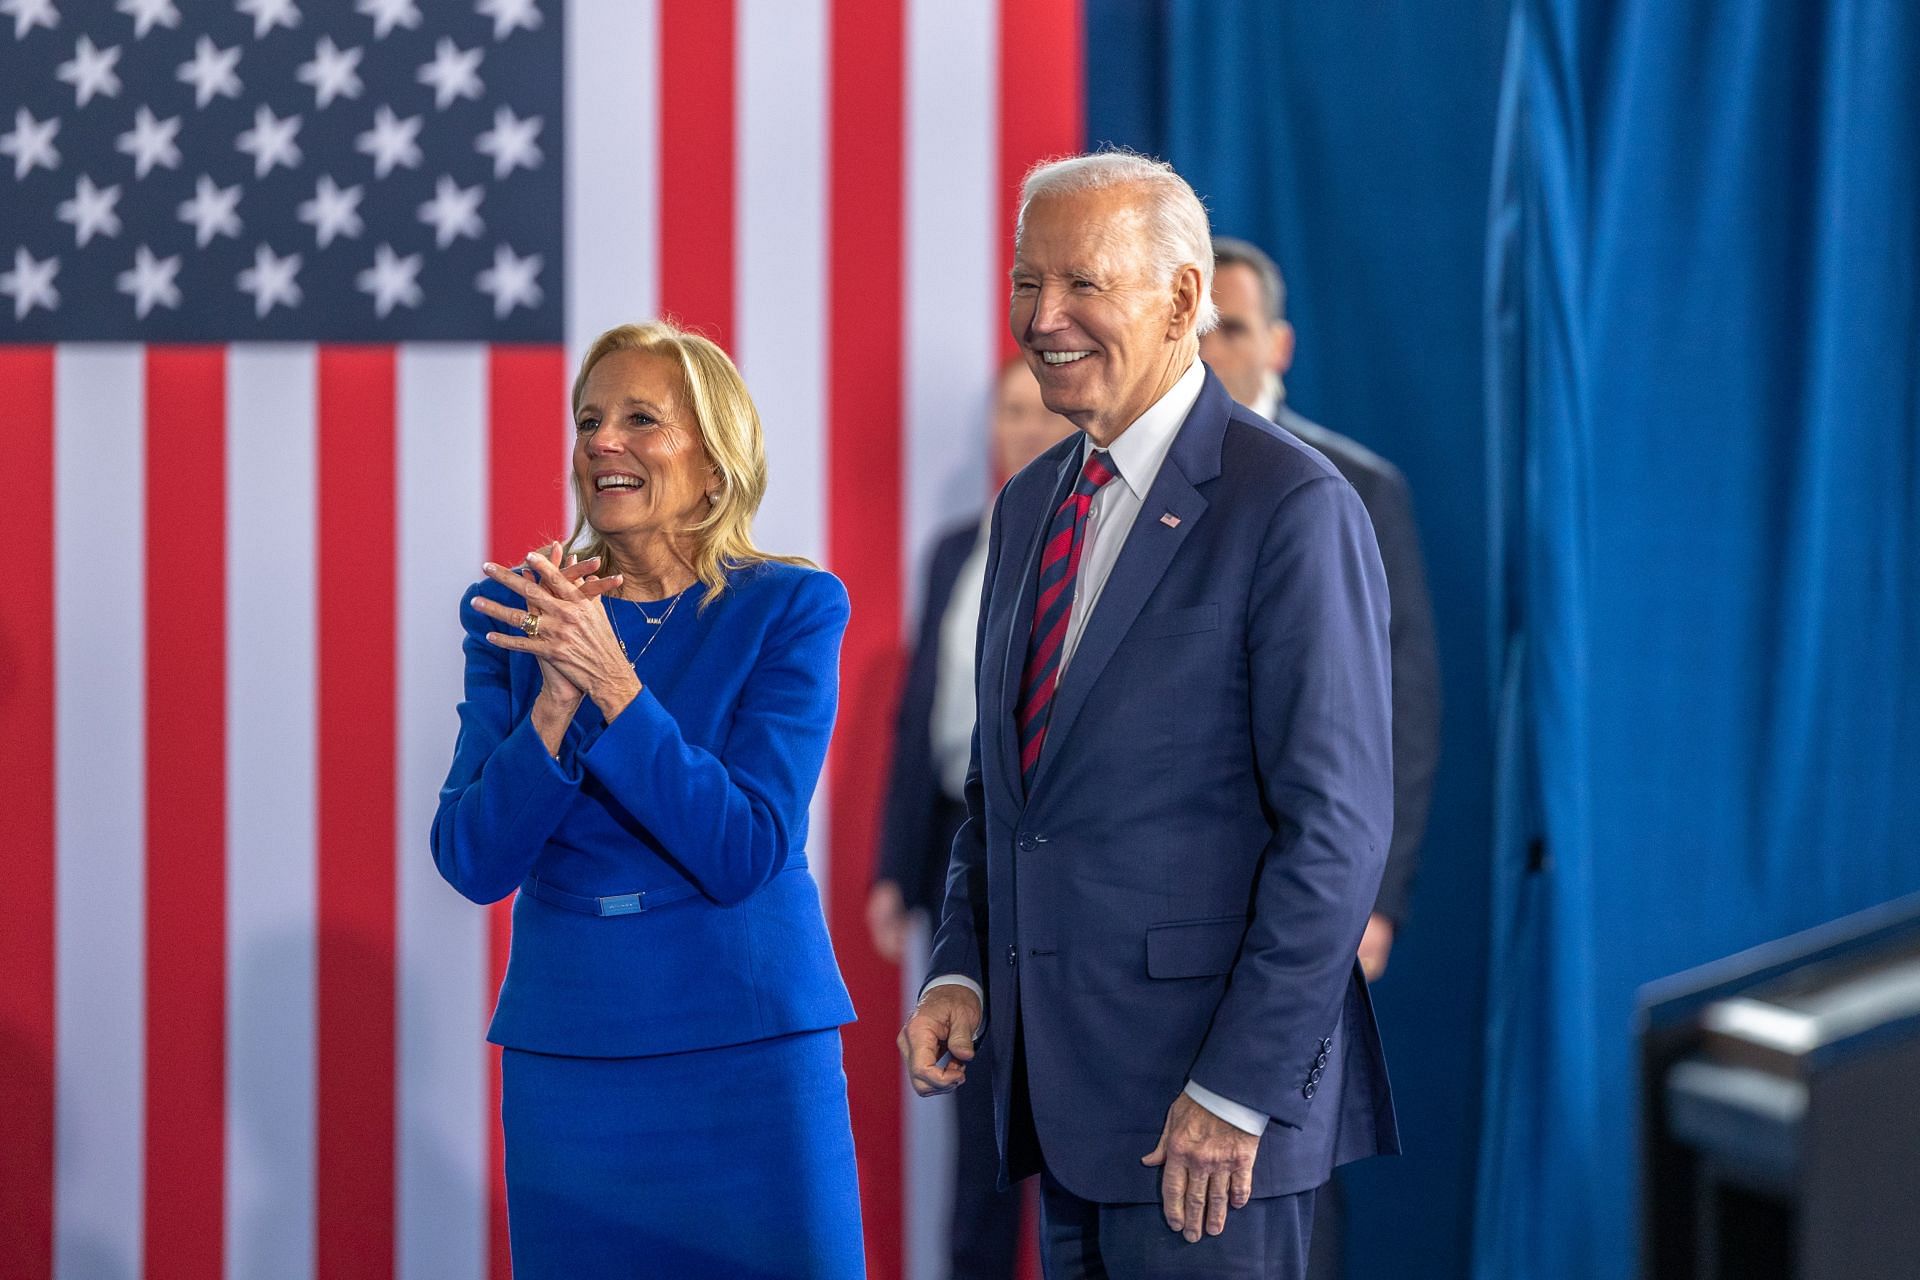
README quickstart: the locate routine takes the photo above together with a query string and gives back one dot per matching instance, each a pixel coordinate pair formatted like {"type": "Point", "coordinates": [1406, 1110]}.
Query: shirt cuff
{"type": "Point", "coordinates": [961, 980]}
{"type": "Point", "coordinates": [1245, 1119]}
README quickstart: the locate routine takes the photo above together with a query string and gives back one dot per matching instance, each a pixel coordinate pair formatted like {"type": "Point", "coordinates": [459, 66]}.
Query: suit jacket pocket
{"type": "Point", "coordinates": [1176, 622]}
{"type": "Point", "coordinates": [1194, 948]}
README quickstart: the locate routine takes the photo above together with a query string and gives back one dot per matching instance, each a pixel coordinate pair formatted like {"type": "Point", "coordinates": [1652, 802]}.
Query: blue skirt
{"type": "Point", "coordinates": [734, 1162]}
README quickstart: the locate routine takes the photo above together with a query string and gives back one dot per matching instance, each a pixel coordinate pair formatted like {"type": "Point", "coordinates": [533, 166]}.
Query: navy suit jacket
{"type": "Point", "coordinates": [917, 830]}
{"type": "Point", "coordinates": [1416, 663]}
{"type": "Point", "coordinates": [1181, 891]}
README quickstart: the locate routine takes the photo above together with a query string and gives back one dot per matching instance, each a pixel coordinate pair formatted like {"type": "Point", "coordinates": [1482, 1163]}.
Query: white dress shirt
{"type": "Point", "coordinates": [1137, 454]}
{"type": "Point", "coordinates": [953, 701]}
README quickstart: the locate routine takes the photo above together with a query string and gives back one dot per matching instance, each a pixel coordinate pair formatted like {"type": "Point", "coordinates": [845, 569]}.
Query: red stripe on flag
{"type": "Point", "coordinates": [27, 763]}
{"type": "Point", "coordinates": [865, 279]}
{"type": "Point", "coordinates": [696, 165]}
{"type": "Point", "coordinates": [186, 629]}
{"type": "Point", "coordinates": [1040, 96]}
{"type": "Point", "coordinates": [526, 505]}
{"type": "Point", "coordinates": [354, 1227]}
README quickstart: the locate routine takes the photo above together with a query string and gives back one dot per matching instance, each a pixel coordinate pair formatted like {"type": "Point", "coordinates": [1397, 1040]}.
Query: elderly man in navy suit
{"type": "Point", "coordinates": [1181, 794]}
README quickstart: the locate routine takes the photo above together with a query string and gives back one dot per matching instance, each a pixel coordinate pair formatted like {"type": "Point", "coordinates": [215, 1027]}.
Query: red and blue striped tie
{"type": "Point", "coordinates": [1059, 569]}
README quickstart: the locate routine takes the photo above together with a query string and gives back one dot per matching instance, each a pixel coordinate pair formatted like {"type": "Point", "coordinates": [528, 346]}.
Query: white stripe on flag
{"type": "Point", "coordinates": [953, 304]}
{"type": "Point", "coordinates": [956, 300]}
{"type": "Point", "coordinates": [613, 158]}
{"type": "Point", "coordinates": [100, 772]}
{"type": "Point", "coordinates": [780, 248]}
{"type": "Point", "coordinates": [271, 727]}
{"type": "Point", "coordinates": [443, 987]}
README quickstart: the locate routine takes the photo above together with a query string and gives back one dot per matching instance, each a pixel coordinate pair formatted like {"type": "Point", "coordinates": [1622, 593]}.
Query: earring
{"type": "Point", "coordinates": [713, 499]}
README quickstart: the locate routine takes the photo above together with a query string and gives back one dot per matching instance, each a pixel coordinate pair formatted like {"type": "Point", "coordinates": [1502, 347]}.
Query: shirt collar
{"type": "Point", "coordinates": [1139, 450]}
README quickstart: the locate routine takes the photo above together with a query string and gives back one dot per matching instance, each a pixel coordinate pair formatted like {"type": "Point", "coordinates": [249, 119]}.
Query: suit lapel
{"type": "Point", "coordinates": [1027, 537]}
{"type": "Point", "coordinates": [1151, 545]}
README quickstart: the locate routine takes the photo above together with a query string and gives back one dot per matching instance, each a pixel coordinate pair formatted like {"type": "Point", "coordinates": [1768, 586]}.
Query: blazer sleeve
{"type": "Point", "coordinates": [1322, 729]}
{"type": "Point", "coordinates": [504, 795]}
{"type": "Point", "coordinates": [1416, 689]}
{"type": "Point", "coordinates": [729, 819]}
{"type": "Point", "coordinates": [960, 941]}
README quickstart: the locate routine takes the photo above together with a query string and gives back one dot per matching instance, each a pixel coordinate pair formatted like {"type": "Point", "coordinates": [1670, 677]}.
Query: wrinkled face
{"type": "Point", "coordinates": [637, 454]}
{"type": "Point", "coordinates": [1100, 330]}
{"type": "Point", "coordinates": [1023, 426]}
{"type": "Point", "coordinates": [1246, 345]}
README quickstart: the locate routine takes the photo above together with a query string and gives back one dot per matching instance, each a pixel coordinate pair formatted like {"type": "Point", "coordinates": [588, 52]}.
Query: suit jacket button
{"type": "Point", "coordinates": [1308, 1088]}
{"type": "Point", "coordinates": [1313, 1076]}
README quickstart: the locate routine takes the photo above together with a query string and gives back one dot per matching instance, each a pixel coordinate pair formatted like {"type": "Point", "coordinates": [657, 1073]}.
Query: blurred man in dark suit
{"type": "Point", "coordinates": [1251, 351]}
{"type": "Point", "coordinates": [933, 735]}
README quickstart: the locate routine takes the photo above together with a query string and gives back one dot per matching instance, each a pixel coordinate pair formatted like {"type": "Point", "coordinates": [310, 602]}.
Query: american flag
{"type": "Point", "coordinates": [289, 295]}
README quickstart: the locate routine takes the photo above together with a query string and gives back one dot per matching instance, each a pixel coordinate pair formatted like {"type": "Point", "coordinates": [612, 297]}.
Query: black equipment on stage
{"type": "Point", "coordinates": [1780, 1108]}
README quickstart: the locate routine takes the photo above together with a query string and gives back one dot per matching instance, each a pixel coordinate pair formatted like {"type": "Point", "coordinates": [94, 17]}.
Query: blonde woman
{"type": "Point", "coordinates": [643, 729]}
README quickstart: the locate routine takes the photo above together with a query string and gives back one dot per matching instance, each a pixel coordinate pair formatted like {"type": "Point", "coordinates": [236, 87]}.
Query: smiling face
{"type": "Point", "coordinates": [637, 456]}
{"type": "Point", "coordinates": [1103, 331]}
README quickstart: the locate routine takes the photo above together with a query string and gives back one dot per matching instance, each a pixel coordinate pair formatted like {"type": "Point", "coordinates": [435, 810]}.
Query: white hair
{"type": "Point", "coordinates": [1177, 230]}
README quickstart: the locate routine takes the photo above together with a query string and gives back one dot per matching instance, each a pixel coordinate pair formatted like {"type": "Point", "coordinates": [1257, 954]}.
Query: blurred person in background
{"type": "Point", "coordinates": [1251, 350]}
{"type": "Point", "coordinates": [641, 735]}
{"type": "Point", "coordinates": [933, 736]}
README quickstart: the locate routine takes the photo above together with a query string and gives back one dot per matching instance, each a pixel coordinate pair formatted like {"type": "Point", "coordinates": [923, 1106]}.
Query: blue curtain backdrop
{"type": "Point", "coordinates": [1355, 141]}
{"type": "Point", "coordinates": [1705, 436]}
{"type": "Point", "coordinates": [1639, 317]}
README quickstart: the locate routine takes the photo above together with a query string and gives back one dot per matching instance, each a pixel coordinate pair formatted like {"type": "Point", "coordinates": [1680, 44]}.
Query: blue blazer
{"type": "Point", "coordinates": [1181, 893]}
{"type": "Point", "coordinates": [688, 813]}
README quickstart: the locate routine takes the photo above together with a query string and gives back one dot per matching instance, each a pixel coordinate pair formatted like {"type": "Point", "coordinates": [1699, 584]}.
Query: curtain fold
{"type": "Point", "coordinates": [1702, 444]}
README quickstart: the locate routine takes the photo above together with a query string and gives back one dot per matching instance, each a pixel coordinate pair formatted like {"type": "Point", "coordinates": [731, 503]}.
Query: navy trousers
{"type": "Point", "coordinates": [1082, 1240]}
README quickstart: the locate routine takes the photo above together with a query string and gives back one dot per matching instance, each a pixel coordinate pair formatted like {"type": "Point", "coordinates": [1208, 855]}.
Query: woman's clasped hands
{"type": "Point", "coordinates": [563, 624]}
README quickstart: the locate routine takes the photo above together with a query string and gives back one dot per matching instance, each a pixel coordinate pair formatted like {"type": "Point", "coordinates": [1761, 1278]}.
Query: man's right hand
{"type": "Point", "coordinates": [945, 1022]}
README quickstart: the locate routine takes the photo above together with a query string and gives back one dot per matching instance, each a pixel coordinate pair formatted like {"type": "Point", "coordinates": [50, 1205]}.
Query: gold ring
{"type": "Point", "coordinates": [531, 624]}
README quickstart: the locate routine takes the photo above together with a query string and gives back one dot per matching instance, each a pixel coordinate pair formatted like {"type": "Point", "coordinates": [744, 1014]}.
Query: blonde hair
{"type": "Point", "coordinates": [729, 428]}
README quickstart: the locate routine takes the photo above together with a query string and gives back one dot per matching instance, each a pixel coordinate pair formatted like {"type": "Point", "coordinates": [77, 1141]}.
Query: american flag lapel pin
{"type": "Point", "coordinates": [1170, 520]}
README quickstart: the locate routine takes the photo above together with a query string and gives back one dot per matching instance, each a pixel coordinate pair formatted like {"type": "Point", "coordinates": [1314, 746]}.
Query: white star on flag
{"type": "Point", "coordinates": [271, 280]}
{"type": "Point", "coordinates": [268, 14]}
{"type": "Point", "coordinates": [150, 142]}
{"type": "Point", "coordinates": [90, 212]}
{"type": "Point", "coordinates": [510, 281]}
{"type": "Point", "coordinates": [510, 142]}
{"type": "Point", "coordinates": [30, 144]}
{"type": "Point", "coordinates": [148, 14]}
{"type": "Point", "coordinates": [333, 73]}
{"type": "Point", "coordinates": [391, 142]}
{"type": "Point", "coordinates": [453, 212]}
{"type": "Point", "coordinates": [150, 282]}
{"type": "Point", "coordinates": [28, 14]}
{"type": "Point", "coordinates": [90, 72]}
{"type": "Point", "coordinates": [270, 141]}
{"type": "Point", "coordinates": [30, 284]}
{"type": "Point", "coordinates": [211, 211]}
{"type": "Point", "coordinates": [211, 72]}
{"type": "Point", "coordinates": [454, 73]}
{"type": "Point", "coordinates": [388, 14]}
{"type": "Point", "coordinates": [508, 15]}
{"type": "Point", "coordinates": [332, 212]}
{"type": "Point", "coordinates": [390, 280]}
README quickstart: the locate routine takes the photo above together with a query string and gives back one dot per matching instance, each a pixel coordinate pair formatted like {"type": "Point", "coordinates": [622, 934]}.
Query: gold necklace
{"type": "Point", "coordinates": [655, 626]}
